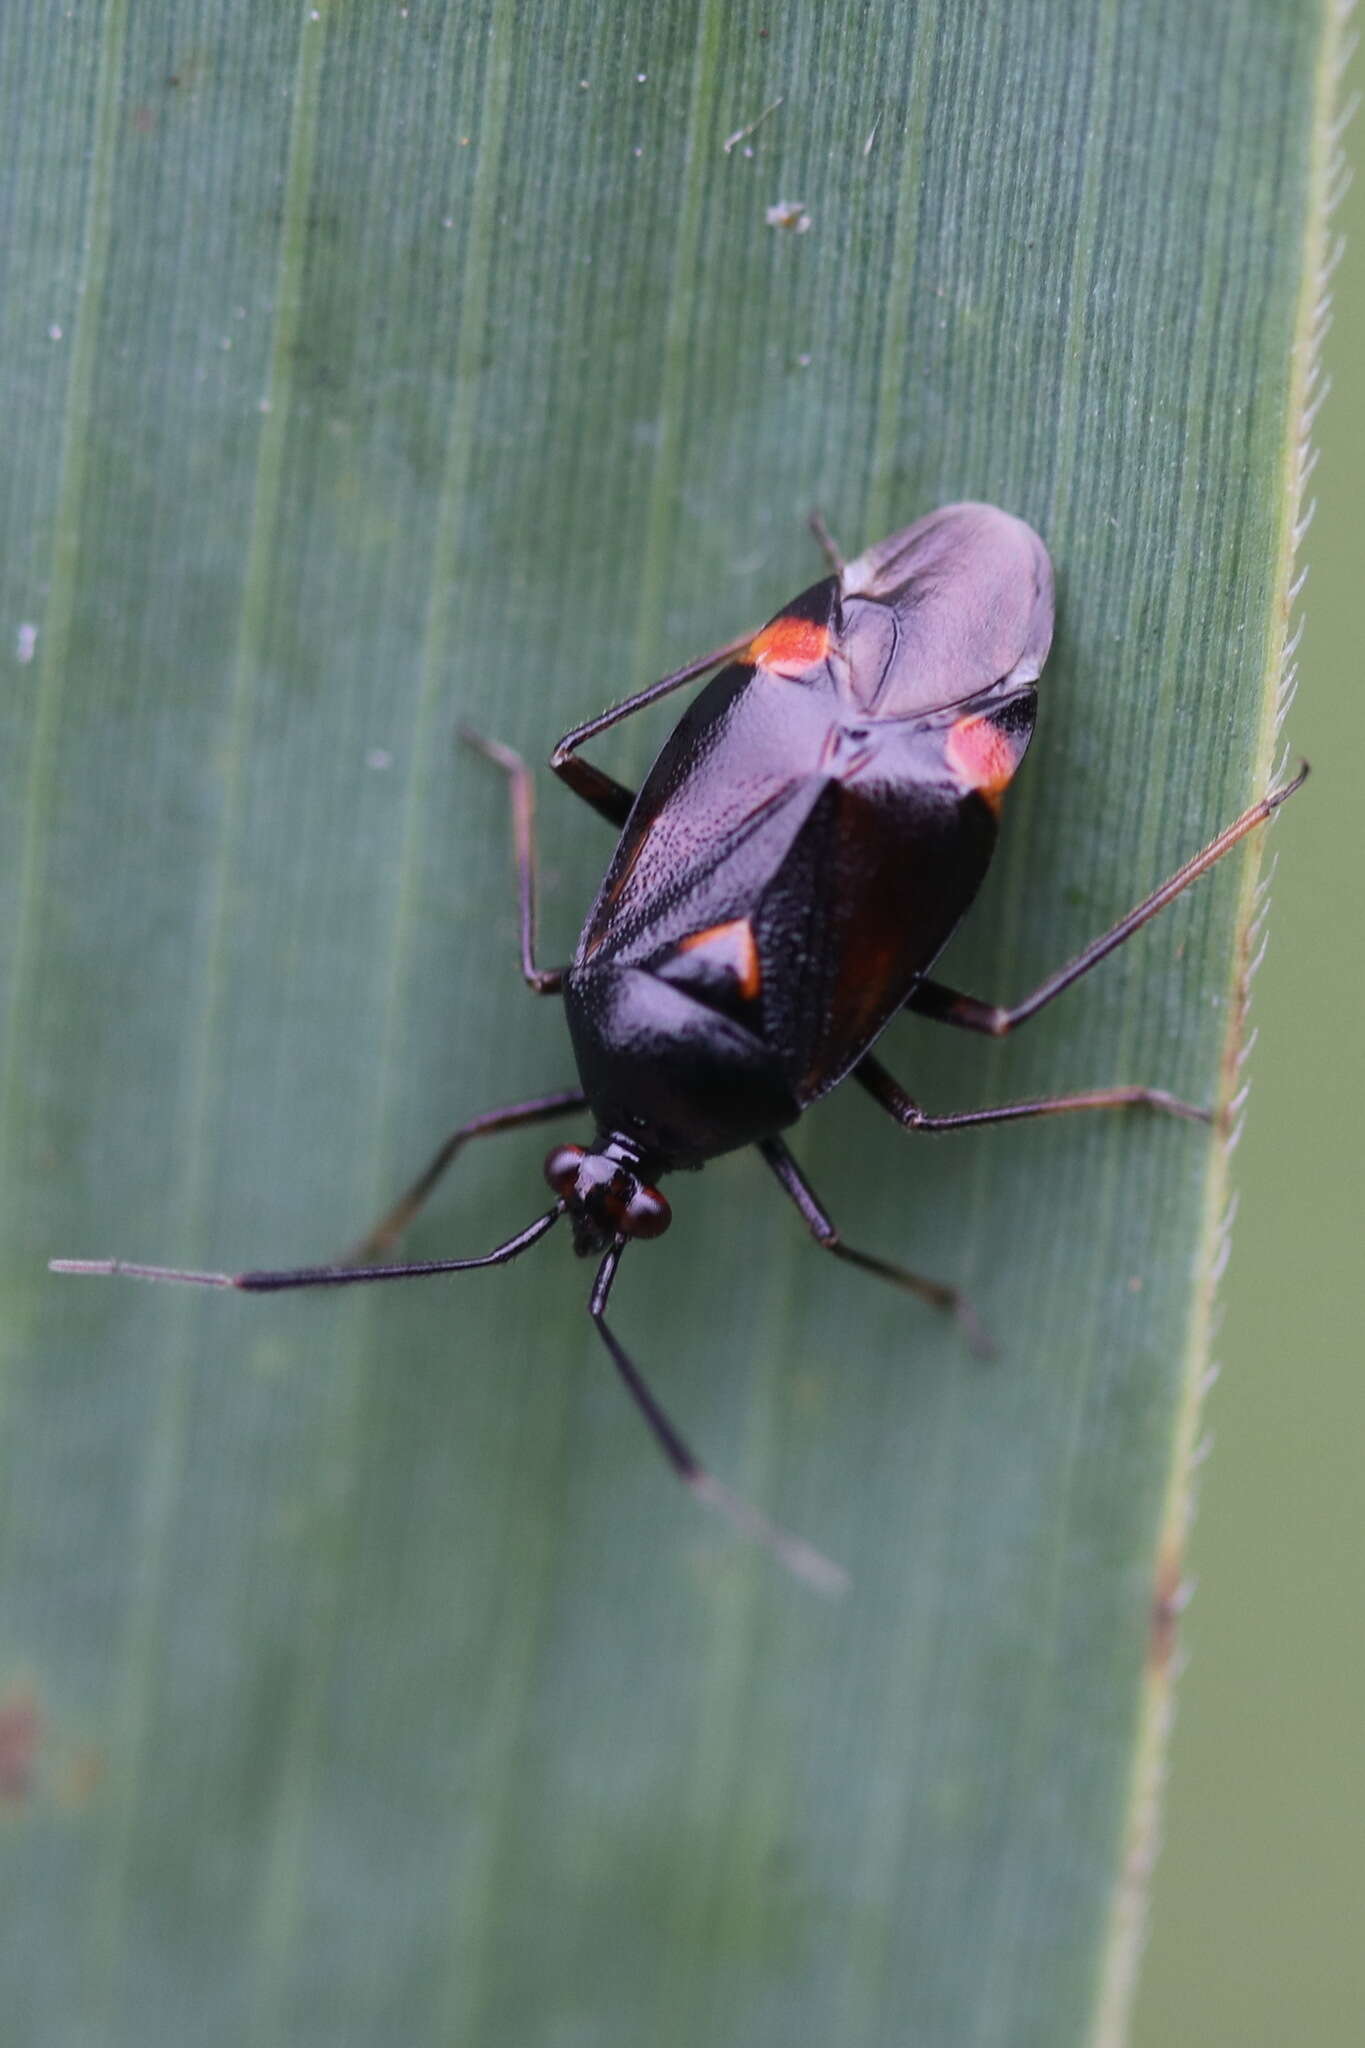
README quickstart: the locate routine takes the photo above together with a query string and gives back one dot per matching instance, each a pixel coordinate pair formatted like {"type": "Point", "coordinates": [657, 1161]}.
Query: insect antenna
{"type": "Point", "coordinates": [315, 1276]}
{"type": "Point", "coordinates": [799, 1557]}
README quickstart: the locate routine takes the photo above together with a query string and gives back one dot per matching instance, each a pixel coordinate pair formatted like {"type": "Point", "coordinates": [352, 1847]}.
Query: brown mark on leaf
{"type": "Point", "coordinates": [790, 214]}
{"type": "Point", "coordinates": [190, 71]}
{"type": "Point", "coordinates": [1169, 1598]}
{"type": "Point", "coordinates": [81, 1775]}
{"type": "Point", "coordinates": [21, 1734]}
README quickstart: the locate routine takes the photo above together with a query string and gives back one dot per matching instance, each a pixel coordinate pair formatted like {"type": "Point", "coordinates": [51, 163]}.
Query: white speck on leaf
{"type": "Point", "coordinates": [26, 644]}
{"type": "Point", "coordinates": [789, 213]}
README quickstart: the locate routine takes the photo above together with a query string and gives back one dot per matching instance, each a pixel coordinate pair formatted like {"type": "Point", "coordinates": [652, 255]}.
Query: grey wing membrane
{"type": "Point", "coordinates": [945, 608]}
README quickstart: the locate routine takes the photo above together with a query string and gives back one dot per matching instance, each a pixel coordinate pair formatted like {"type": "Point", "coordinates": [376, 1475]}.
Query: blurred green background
{"type": "Point", "coordinates": [1259, 1900]}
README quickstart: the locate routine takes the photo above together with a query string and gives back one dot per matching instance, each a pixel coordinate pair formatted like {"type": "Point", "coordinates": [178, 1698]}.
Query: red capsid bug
{"type": "Point", "coordinates": [810, 835]}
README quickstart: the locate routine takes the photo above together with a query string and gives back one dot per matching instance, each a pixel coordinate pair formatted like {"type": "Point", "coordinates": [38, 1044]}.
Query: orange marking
{"type": "Point", "coordinates": [982, 757]}
{"type": "Point", "coordinates": [789, 646]}
{"type": "Point", "coordinates": [735, 948]}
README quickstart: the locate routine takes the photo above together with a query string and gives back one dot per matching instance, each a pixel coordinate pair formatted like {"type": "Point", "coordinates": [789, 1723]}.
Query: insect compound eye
{"type": "Point", "coordinates": [647, 1214]}
{"type": "Point", "coordinates": [561, 1168]}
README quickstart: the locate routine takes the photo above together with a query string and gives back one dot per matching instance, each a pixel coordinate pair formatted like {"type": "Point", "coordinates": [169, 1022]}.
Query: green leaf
{"type": "Point", "coordinates": [363, 1678]}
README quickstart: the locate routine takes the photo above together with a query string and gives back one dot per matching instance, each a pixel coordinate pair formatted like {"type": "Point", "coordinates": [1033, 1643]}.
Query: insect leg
{"type": "Point", "coordinates": [932, 999]}
{"type": "Point", "coordinates": [798, 1557]}
{"type": "Point", "coordinates": [607, 796]}
{"type": "Point", "coordinates": [314, 1276]}
{"type": "Point", "coordinates": [545, 981]}
{"type": "Point", "coordinates": [885, 1089]}
{"type": "Point", "coordinates": [395, 1221]}
{"type": "Point", "coordinates": [829, 547]}
{"type": "Point", "coordinates": [822, 1229]}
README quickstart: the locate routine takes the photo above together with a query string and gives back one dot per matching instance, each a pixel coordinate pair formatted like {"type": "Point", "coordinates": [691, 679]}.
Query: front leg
{"type": "Point", "coordinates": [822, 1228]}
{"type": "Point", "coordinates": [602, 792]}
{"type": "Point", "coordinates": [611, 799]}
{"type": "Point", "coordinates": [543, 981]}
{"type": "Point", "coordinates": [379, 1241]}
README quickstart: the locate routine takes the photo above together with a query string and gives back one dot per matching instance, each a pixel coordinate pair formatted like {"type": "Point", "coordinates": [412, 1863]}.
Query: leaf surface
{"type": "Point", "coordinates": [370, 369]}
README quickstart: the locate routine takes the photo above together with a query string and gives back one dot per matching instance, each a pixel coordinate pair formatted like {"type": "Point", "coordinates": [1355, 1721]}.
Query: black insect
{"type": "Point", "coordinates": [816, 825]}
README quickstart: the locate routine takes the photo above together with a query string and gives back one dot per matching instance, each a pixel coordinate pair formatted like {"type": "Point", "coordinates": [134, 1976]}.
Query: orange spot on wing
{"type": "Point", "coordinates": [982, 757]}
{"type": "Point", "coordinates": [734, 949]}
{"type": "Point", "coordinates": [789, 646]}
